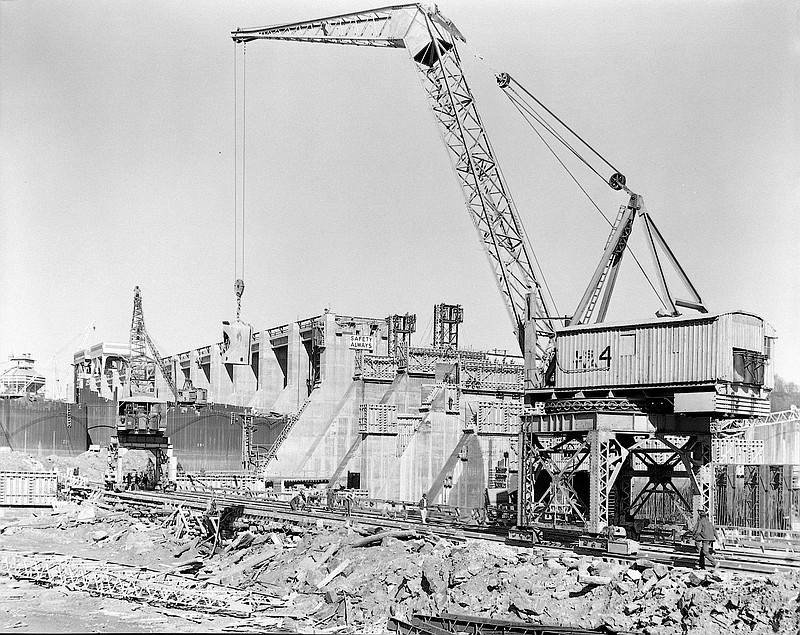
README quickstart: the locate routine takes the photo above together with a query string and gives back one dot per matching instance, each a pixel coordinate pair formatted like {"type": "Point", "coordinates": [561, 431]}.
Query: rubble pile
{"type": "Point", "coordinates": [327, 577]}
{"type": "Point", "coordinates": [13, 461]}
{"type": "Point", "coordinates": [91, 465]}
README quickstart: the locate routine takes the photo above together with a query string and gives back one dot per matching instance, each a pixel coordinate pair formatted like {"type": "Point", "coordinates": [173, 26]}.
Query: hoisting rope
{"type": "Point", "coordinates": [528, 113]}
{"type": "Point", "coordinates": [239, 281]}
{"type": "Point", "coordinates": [542, 286]}
{"type": "Point", "coordinates": [235, 164]}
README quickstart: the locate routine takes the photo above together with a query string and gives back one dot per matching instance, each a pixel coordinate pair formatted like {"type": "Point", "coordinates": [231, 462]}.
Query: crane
{"type": "Point", "coordinates": [142, 372]}
{"type": "Point", "coordinates": [431, 41]}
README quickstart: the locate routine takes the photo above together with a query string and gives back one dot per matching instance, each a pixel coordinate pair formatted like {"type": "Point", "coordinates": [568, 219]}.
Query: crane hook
{"type": "Point", "coordinates": [238, 288]}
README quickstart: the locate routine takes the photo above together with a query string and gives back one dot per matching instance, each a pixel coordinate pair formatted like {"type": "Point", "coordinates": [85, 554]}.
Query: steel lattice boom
{"type": "Point", "coordinates": [430, 40]}
{"type": "Point", "coordinates": [124, 582]}
{"type": "Point", "coordinates": [142, 374]}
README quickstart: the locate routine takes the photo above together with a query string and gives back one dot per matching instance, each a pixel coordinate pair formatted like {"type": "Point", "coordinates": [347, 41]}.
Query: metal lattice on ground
{"type": "Point", "coordinates": [419, 624]}
{"type": "Point", "coordinates": [124, 582]}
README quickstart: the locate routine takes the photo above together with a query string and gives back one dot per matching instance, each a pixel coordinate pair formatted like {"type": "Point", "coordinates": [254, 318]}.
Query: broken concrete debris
{"type": "Point", "coordinates": [349, 578]}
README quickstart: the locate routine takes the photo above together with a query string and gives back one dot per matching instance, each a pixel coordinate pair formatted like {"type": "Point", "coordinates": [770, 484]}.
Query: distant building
{"type": "Point", "coordinates": [21, 379]}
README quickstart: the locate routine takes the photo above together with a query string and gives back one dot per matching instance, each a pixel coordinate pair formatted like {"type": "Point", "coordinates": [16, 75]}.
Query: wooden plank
{"type": "Point", "coordinates": [243, 566]}
{"type": "Point", "coordinates": [342, 566]}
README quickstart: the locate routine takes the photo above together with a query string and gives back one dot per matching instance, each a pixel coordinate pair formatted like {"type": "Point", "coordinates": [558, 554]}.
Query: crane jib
{"type": "Point", "coordinates": [430, 39]}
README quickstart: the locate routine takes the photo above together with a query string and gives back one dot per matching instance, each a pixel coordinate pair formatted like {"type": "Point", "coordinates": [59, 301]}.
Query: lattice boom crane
{"type": "Point", "coordinates": [142, 373]}
{"type": "Point", "coordinates": [430, 40]}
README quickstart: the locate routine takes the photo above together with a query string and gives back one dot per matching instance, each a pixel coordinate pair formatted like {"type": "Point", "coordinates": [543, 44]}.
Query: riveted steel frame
{"type": "Point", "coordinates": [607, 458]}
{"type": "Point", "coordinates": [610, 466]}
{"type": "Point", "coordinates": [559, 503]}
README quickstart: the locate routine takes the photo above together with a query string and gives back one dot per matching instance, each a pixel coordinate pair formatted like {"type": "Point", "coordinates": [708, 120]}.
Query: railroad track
{"type": "Point", "coordinates": [255, 510]}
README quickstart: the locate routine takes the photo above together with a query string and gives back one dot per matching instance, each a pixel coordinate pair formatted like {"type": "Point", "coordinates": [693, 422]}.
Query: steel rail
{"type": "Point", "coordinates": [733, 559]}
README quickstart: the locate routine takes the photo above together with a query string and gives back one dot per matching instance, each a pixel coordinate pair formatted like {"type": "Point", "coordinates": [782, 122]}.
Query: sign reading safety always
{"type": "Point", "coordinates": [361, 342]}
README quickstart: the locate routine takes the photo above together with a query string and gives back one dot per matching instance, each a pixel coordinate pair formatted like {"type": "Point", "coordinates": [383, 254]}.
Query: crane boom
{"type": "Point", "coordinates": [430, 40]}
{"type": "Point", "coordinates": [142, 380]}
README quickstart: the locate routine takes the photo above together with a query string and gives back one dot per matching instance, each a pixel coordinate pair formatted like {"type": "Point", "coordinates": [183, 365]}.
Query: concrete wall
{"type": "Point", "coordinates": [443, 445]}
{"type": "Point", "coordinates": [438, 440]}
{"type": "Point", "coordinates": [781, 442]}
{"type": "Point", "coordinates": [328, 425]}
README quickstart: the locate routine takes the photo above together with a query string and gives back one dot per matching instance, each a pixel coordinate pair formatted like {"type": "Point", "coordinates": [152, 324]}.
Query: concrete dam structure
{"type": "Point", "coordinates": [345, 400]}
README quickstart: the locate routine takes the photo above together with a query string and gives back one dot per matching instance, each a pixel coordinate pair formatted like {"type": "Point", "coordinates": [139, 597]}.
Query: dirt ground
{"type": "Point", "coordinates": [334, 578]}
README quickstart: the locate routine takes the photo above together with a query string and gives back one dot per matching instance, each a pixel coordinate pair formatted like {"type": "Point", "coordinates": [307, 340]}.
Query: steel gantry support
{"type": "Point", "coordinates": [594, 478]}
{"type": "Point", "coordinates": [430, 40]}
{"type": "Point", "coordinates": [607, 457]}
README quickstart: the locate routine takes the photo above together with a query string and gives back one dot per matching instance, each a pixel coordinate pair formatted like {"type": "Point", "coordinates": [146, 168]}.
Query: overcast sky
{"type": "Point", "coordinates": [117, 166]}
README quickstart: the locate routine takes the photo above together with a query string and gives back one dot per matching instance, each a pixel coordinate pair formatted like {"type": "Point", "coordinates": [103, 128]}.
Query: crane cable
{"type": "Point", "coordinates": [575, 134]}
{"type": "Point", "coordinates": [588, 196]}
{"type": "Point", "coordinates": [543, 283]}
{"type": "Point", "coordinates": [239, 282]}
{"type": "Point", "coordinates": [523, 108]}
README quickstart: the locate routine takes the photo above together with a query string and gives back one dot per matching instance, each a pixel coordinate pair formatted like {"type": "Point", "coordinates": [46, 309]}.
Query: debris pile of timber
{"type": "Point", "coordinates": [329, 577]}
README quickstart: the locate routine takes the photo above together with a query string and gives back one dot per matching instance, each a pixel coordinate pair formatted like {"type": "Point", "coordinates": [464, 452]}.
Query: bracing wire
{"type": "Point", "coordinates": [591, 200]}
{"type": "Point", "coordinates": [527, 113]}
{"type": "Point", "coordinates": [244, 144]}
{"type": "Point", "coordinates": [235, 164]}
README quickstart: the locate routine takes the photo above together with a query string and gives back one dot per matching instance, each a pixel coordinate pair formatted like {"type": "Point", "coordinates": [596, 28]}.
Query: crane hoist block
{"type": "Point", "coordinates": [236, 338]}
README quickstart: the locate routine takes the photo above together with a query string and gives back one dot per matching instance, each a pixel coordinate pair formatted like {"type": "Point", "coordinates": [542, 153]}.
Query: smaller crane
{"type": "Point", "coordinates": [142, 370]}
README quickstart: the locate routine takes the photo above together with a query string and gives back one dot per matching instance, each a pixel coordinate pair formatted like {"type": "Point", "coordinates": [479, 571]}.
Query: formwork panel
{"type": "Point", "coordinates": [28, 488]}
{"type": "Point", "coordinates": [743, 451]}
{"type": "Point", "coordinates": [498, 417]}
{"type": "Point", "coordinates": [377, 419]}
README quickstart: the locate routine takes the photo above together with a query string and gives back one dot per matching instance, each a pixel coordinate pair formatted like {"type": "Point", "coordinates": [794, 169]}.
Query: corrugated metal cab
{"type": "Point", "coordinates": [732, 349]}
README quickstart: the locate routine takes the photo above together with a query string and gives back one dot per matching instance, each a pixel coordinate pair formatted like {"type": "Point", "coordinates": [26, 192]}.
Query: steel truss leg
{"type": "Point", "coordinates": [560, 461]}
{"type": "Point", "coordinates": [607, 457]}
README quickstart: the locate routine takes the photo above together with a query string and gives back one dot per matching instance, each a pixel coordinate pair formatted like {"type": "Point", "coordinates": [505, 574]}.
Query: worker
{"type": "Point", "coordinates": [348, 503]}
{"type": "Point", "coordinates": [331, 497]}
{"type": "Point", "coordinates": [704, 536]}
{"type": "Point", "coordinates": [299, 502]}
{"type": "Point", "coordinates": [423, 507]}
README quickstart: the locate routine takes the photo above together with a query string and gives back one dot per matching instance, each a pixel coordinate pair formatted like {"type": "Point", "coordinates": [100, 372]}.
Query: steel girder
{"type": "Point", "coordinates": [430, 39]}
{"type": "Point", "coordinates": [608, 456]}
{"type": "Point", "coordinates": [123, 582]}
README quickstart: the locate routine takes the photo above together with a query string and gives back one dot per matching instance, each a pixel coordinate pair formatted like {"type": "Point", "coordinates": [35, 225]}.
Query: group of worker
{"type": "Point", "coordinates": [139, 481]}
